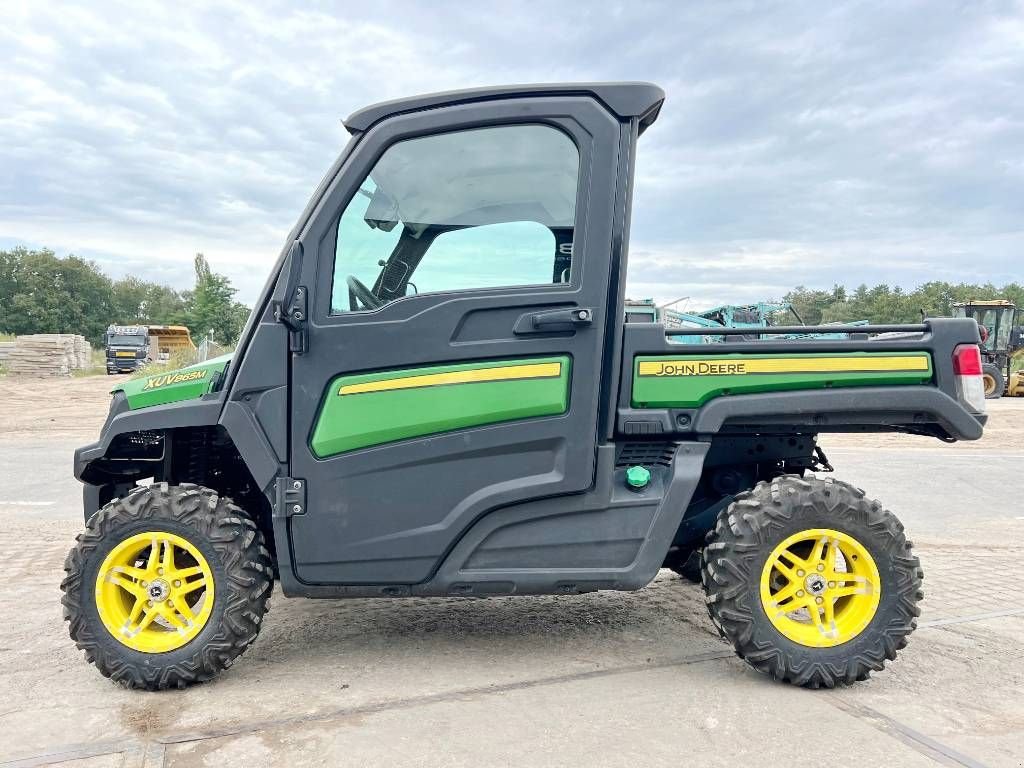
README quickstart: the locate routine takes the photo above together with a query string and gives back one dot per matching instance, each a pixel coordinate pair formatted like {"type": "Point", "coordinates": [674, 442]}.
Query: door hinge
{"type": "Point", "coordinates": [294, 318]}
{"type": "Point", "coordinates": [290, 497]}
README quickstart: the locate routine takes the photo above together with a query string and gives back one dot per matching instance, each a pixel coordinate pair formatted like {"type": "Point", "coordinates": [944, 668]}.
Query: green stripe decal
{"type": "Point", "coordinates": [370, 409]}
{"type": "Point", "coordinates": [689, 381]}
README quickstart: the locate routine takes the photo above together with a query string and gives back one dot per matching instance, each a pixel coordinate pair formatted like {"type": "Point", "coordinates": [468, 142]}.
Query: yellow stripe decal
{"type": "Point", "coordinates": [744, 366]}
{"type": "Point", "coordinates": [472, 376]}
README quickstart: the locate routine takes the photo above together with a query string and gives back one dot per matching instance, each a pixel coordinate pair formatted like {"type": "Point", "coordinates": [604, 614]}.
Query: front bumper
{"type": "Point", "coordinates": [123, 365]}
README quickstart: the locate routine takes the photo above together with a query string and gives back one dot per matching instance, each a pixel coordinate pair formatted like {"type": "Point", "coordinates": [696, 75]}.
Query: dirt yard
{"type": "Point", "coordinates": [54, 407]}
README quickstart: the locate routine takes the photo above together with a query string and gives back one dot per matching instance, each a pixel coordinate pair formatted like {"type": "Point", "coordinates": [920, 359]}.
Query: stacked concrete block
{"type": "Point", "coordinates": [47, 354]}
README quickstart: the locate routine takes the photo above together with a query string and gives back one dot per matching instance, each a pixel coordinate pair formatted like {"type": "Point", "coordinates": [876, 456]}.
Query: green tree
{"type": "Point", "coordinates": [129, 300]}
{"type": "Point", "coordinates": [10, 261]}
{"type": "Point", "coordinates": [48, 294]}
{"type": "Point", "coordinates": [810, 304]}
{"type": "Point", "coordinates": [212, 309]}
{"type": "Point", "coordinates": [140, 302]}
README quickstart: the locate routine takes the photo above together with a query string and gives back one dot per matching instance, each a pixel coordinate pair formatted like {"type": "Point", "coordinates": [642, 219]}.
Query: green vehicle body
{"type": "Point", "coordinates": [165, 387]}
{"type": "Point", "coordinates": [371, 409]}
{"type": "Point", "coordinates": [375, 408]}
{"type": "Point", "coordinates": [691, 381]}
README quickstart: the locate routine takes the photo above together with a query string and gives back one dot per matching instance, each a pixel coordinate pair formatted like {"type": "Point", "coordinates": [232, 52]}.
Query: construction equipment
{"type": "Point", "coordinates": [437, 395]}
{"type": "Point", "coordinates": [752, 316]}
{"type": "Point", "coordinates": [646, 311]}
{"type": "Point", "coordinates": [1001, 338]}
{"type": "Point", "coordinates": [1016, 386]}
{"type": "Point", "coordinates": [127, 348]}
{"type": "Point", "coordinates": [167, 341]}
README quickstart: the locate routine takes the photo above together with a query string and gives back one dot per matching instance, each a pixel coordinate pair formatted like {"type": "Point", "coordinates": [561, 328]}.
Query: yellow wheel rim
{"type": "Point", "coordinates": [154, 592]}
{"type": "Point", "coordinates": [820, 588]}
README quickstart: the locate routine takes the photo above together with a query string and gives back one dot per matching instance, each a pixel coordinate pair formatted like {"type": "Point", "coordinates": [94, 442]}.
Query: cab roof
{"type": "Point", "coordinates": [626, 100]}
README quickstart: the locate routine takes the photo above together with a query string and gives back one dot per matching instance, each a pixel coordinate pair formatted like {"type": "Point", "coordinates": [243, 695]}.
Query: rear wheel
{"type": "Point", "coordinates": [167, 586]}
{"type": "Point", "coordinates": [812, 582]}
{"type": "Point", "coordinates": [994, 381]}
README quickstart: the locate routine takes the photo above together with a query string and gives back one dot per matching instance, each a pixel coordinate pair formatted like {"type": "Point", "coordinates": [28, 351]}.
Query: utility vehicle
{"type": "Point", "coordinates": [437, 394]}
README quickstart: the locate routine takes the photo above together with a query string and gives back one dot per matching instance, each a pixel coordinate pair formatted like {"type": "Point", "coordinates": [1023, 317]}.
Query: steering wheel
{"type": "Point", "coordinates": [359, 296]}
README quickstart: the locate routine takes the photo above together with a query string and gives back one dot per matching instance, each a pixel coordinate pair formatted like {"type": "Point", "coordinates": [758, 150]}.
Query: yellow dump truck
{"type": "Point", "coordinates": [166, 341]}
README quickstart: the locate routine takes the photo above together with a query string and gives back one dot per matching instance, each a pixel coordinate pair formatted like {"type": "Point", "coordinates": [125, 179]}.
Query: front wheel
{"type": "Point", "coordinates": [812, 582]}
{"type": "Point", "coordinates": [167, 586]}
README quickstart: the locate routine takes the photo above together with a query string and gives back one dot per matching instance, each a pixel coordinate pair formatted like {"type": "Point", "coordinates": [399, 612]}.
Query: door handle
{"type": "Point", "coordinates": [575, 317]}
{"type": "Point", "coordinates": [555, 321]}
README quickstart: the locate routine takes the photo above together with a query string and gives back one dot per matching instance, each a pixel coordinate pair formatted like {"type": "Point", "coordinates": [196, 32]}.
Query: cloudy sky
{"type": "Point", "coordinates": [804, 143]}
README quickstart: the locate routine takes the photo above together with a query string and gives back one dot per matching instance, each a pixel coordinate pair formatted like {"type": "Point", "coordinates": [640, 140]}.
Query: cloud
{"type": "Point", "coordinates": [800, 143]}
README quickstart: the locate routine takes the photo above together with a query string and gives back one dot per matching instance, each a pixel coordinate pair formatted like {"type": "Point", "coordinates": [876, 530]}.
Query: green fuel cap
{"type": "Point", "coordinates": [638, 477]}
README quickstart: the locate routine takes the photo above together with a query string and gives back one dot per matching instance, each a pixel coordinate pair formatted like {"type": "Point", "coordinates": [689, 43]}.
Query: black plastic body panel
{"type": "Point", "coordinates": [624, 100]}
{"type": "Point", "coordinates": [190, 413]}
{"type": "Point", "coordinates": [607, 538]}
{"type": "Point", "coordinates": [840, 409]}
{"type": "Point", "coordinates": [255, 412]}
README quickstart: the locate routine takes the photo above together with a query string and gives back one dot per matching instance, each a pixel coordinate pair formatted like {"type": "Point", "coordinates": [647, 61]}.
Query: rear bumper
{"type": "Point", "coordinates": [826, 410]}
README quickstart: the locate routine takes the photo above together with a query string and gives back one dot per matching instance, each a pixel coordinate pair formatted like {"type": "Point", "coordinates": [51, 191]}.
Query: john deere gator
{"type": "Point", "coordinates": [437, 394]}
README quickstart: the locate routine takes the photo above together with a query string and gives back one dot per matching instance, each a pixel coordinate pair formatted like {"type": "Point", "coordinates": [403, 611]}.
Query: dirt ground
{"type": "Point", "coordinates": [54, 407]}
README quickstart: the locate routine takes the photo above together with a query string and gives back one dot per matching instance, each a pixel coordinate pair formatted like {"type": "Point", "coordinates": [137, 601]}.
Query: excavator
{"type": "Point", "coordinates": [1002, 344]}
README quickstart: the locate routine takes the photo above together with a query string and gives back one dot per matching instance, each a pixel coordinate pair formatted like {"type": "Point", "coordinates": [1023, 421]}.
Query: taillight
{"type": "Point", "coordinates": [970, 387]}
{"type": "Point", "coordinates": [967, 360]}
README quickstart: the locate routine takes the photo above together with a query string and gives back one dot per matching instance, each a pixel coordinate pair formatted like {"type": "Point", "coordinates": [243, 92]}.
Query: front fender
{"type": "Point", "coordinates": [187, 413]}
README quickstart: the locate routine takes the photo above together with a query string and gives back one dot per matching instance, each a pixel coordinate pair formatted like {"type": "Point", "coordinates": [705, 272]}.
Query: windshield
{"type": "Point", "coordinates": [117, 340]}
{"type": "Point", "coordinates": [1005, 325]}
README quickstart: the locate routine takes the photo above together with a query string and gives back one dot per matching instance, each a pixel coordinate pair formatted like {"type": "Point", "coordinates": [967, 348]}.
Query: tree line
{"type": "Point", "coordinates": [891, 304]}
{"type": "Point", "coordinates": [41, 292]}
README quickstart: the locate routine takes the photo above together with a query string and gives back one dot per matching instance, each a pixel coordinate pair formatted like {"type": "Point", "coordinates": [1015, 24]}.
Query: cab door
{"type": "Point", "coordinates": [457, 269]}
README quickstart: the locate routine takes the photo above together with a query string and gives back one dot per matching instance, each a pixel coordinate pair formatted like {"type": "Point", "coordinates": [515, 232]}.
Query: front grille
{"type": "Point", "coordinates": [147, 446]}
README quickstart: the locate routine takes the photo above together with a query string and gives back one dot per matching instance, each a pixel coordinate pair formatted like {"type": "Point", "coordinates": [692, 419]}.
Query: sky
{"type": "Point", "coordinates": [800, 143]}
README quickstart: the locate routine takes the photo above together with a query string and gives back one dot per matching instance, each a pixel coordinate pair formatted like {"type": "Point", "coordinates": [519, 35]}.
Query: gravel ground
{"type": "Point", "coordinates": [602, 679]}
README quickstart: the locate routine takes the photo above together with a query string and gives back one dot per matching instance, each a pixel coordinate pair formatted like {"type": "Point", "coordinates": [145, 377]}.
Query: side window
{"type": "Point", "coordinates": [483, 208]}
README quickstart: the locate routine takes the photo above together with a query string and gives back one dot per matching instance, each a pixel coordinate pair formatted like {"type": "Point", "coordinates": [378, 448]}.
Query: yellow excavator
{"type": "Point", "coordinates": [1002, 345]}
{"type": "Point", "coordinates": [1015, 386]}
